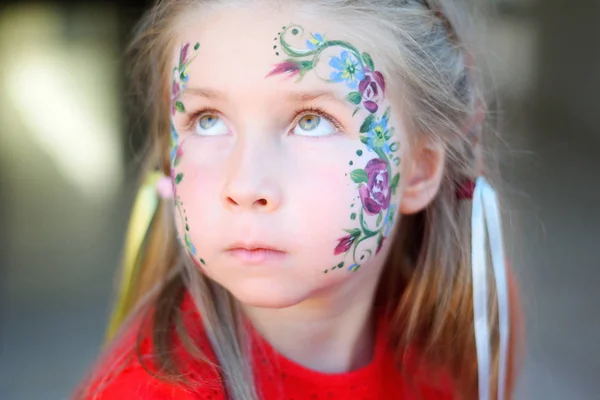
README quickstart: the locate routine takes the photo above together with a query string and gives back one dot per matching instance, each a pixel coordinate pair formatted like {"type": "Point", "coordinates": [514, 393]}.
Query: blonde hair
{"type": "Point", "coordinates": [426, 287]}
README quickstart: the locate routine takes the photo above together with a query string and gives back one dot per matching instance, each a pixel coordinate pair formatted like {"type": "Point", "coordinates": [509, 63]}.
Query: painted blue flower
{"type": "Point", "coordinates": [353, 267]}
{"type": "Point", "coordinates": [377, 135]}
{"type": "Point", "coordinates": [315, 40]}
{"type": "Point", "coordinates": [347, 69]}
{"type": "Point", "coordinates": [173, 154]}
{"type": "Point", "coordinates": [174, 141]}
{"type": "Point", "coordinates": [389, 220]}
{"type": "Point", "coordinates": [189, 244]}
{"type": "Point", "coordinates": [185, 76]}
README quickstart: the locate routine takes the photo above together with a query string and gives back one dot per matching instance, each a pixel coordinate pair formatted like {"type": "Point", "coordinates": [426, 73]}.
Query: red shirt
{"type": "Point", "coordinates": [276, 377]}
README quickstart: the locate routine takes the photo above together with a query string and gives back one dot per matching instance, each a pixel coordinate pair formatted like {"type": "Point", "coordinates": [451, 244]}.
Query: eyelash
{"type": "Point", "coordinates": [193, 118]}
{"type": "Point", "coordinates": [321, 113]}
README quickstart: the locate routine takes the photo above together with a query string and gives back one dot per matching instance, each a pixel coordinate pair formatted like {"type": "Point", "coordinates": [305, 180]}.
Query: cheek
{"type": "Point", "coordinates": [196, 189]}
{"type": "Point", "coordinates": [322, 190]}
{"type": "Point", "coordinates": [327, 205]}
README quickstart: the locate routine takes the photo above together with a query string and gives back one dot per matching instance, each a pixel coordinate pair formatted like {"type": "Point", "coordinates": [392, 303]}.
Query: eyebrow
{"type": "Point", "coordinates": [301, 97]}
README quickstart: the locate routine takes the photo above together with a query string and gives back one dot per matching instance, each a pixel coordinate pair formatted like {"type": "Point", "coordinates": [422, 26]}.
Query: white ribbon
{"type": "Point", "coordinates": [486, 212]}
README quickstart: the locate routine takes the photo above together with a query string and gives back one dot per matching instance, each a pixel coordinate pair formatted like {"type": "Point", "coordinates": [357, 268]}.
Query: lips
{"type": "Point", "coordinates": [254, 246]}
{"type": "Point", "coordinates": [255, 252]}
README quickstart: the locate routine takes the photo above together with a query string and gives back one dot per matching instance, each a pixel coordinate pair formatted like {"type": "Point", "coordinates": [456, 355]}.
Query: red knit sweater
{"type": "Point", "coordinates": [276, 377]}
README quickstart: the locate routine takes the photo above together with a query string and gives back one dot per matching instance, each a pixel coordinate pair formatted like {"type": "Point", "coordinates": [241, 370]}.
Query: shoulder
{"type": "Point", "coordinates": [127, 369]}
{"type": "Point", "coordinates": [135, 382]}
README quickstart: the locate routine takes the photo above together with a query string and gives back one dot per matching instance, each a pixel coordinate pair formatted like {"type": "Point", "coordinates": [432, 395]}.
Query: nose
{"type": "Point", "coordinates": [252, 181]}
{"type": "Point", "coordinates": [248, 195]}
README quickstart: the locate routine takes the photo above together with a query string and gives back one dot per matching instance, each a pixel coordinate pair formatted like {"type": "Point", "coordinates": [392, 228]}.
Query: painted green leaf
{"type": "Point", "coordinates": [179, 106]}
{"type": "Point", "coordinates": [306, 65]}
{"type": "Point", "coordinates": [177, 161]}
{"type": "Point", "coordinates": [359, 176]}
{"type": "Point", "coordinates": [366, 125]}
{"type": "Point", "coordinates": [353, 232]}
{"type": "Point", "coordinates": [394, 183]}
{"type": "Point", "coordinates": [364, 139]}
{"type": "Point", "coordinates": [341, 265]}
{"type": "Point", "coordinates": [379, 218]}
{"type": "Point", "coordinates": [369, 61]}
{"type": "Point", "coordinates": [354, 97]}
{"type": "Point", "coordinates": [394, 146]}
{"type": "Point", "coordinates": [178, 178]}
{"type": "Point", "coordinates": [386, 115]}
{"type": "Point", "coordinates": [196, 46]}
{"type": "Point", "coordinates": [355, 111]}
{"type": "Point", "coordinates": [395, 180]}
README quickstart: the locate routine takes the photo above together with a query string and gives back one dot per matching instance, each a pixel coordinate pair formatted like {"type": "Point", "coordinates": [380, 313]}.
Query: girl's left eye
{"type": "Point", "coordinates": [314, 125]}
{"type": "Point", "coordinates": [210, 125]}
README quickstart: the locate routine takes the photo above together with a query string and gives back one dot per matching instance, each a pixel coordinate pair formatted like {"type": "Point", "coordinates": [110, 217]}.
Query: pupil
{"type": "Point", "coordinates": [309, 123]}
{"type": "Point", "coordinates": [207, 121]}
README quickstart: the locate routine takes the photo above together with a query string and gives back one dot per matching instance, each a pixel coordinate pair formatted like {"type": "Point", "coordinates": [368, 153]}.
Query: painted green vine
{"type": "Point", "coordinates": [180, 79]}
{"type": "Point", "coordinates": [375, 183]}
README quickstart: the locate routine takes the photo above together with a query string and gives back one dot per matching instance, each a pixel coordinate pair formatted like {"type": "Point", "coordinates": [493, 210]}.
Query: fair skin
{"type": "Point", "coordinates": [265, 188]}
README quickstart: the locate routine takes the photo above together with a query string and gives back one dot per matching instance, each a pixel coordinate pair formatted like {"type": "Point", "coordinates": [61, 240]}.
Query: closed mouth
{"type": "Point", "coordinates": [256, 253]}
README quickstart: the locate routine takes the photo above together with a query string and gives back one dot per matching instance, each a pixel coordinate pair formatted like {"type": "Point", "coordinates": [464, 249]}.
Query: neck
{"type": "Point", "coordinates": [331, 332]}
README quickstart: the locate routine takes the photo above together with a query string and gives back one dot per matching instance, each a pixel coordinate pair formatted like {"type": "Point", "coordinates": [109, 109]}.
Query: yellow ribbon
{"type": "Point", "coordinates": [144, 208]}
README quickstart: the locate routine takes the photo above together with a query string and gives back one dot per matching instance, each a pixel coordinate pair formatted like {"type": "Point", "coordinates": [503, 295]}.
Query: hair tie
{"type": "Point", "coordinates": [465, 190]}
{"type": "Point", "coordinates": [164, 187]}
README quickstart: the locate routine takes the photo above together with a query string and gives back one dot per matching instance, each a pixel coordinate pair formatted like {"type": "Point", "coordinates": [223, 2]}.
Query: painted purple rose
{"type": "Point", "coordinates": [372, 89]}
{"type": "Point", "coordinates": [344, 244]}
{"type": "Point", "coordinates": [380, 244]}
{"type": "Point", "coordinates": [175, 90]}
{"type": "Point", "coordinates": [287, 67]}
{"type": "Point", "coordinates": [375, 195]}
{"type": "Point", "coordinates": [183, 55]}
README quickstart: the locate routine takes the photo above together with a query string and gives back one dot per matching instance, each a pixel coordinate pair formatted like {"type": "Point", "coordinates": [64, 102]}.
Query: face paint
{"type": "Point", "coordinates": [180, 79]}
{"type": "Point", "coordinates": [377, 182]}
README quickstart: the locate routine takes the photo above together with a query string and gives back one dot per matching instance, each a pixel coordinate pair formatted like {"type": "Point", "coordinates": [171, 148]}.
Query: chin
{"type": "Point", "coordinates": [255, 294]}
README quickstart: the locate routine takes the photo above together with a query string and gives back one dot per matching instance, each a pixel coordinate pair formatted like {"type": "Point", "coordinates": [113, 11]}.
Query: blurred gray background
{"type": "Point", "coordinates": [67, 169]}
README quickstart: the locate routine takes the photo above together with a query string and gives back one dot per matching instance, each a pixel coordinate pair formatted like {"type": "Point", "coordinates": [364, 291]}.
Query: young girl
{"type": "Point", "coordinates": [322, 234]}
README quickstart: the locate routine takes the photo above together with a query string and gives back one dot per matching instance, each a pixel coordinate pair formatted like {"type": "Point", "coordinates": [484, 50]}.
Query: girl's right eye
{"type": "Point", "coordinates": [210, 125]}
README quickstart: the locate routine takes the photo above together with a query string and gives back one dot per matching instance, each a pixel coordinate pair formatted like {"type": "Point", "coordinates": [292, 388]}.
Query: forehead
{"type": "Point", "coordinates": [239, 47]}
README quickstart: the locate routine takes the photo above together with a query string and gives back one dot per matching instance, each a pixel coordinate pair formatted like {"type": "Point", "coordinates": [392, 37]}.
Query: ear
{"type": "Point", "coordinates": [423, 176]}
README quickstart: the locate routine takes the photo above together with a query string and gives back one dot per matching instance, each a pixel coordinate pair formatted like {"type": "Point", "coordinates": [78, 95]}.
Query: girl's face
{"type": "Point", "coordinates": [285, 155]}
